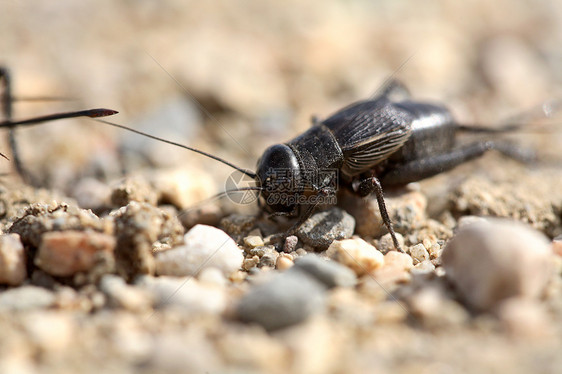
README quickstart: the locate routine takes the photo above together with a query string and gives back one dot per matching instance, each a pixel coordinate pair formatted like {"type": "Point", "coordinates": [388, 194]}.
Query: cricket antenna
{"type": "Point", "coordinates": [92, 113]}
{"type": "Point", "coordinates": [247, 172]}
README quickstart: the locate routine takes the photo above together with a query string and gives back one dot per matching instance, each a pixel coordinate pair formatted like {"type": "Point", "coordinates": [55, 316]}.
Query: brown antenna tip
{"type": "Point", "coordinates": [96, 113]}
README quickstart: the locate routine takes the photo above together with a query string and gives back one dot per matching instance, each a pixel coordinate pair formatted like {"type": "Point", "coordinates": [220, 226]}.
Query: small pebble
{"type": "Point", "coordinates": [435, 251]}
{"type": "Point", "coordinates": [253, 241]}
{"type": "Point", "coordinates": [205, 246]}
{"type": "Point", "coordinates": [238, 276]}
{"type": "Point", "coordinates": [386, 243]}
{"type": "Point", "coordinates": [497, 259]}
{"type": "Point", "coordinates": [330, 273]}
{"type": "Point", "coordinates": [258, 251]}
{"type": "Point", "coordinates": [250, 262]}
{"type": "Point", "coordinates": [396, 268]}
{"type": "Point", "coordinates": [285, 300]}
{"type": "Point", "coordinates": [290, 244]}
{"type": "Point", "coordinates": [65, 253]}
{"type": "Point", "coordinates": [300, 252]}
{"type": "Point", "coordinates": [399, 260]}
{"type": "Point", "coordinates": [356, 254]}
{"type": "Point", "coordinates": [419, 253]}
{"type": "Point", "coordinates": [267, 255]}
{"type": "Point", "coordinates": [424, 267]}
{"type": "Point", "coordinates": [320, 230]}
{"type": "Point", "coordinates": [12, 260]}
{"type": "Point", "coordinates": [284, 261]}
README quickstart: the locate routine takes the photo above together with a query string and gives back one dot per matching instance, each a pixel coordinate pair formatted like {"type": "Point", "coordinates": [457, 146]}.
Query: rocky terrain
{"type": "Point", "coordinates": [114, 259]}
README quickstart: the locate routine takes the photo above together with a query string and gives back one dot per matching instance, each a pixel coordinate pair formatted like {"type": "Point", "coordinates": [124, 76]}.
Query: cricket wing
{"type": "Point", "coordinates": [368, 132]}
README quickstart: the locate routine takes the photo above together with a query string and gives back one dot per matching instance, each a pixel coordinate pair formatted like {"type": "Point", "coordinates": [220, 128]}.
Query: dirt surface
{"type": "Point", "coordinates": [97, 275]}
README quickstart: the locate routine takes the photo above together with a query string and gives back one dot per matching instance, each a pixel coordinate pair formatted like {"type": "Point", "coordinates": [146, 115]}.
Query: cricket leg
{"type": "Point", "coordinates": [366, 187]}
{"type": "Point", "coordinates": [428, 167]}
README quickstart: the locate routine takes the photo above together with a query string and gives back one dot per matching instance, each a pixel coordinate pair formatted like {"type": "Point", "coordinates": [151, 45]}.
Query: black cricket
{"type": "Point", "coordinates": [364, 147]}
{"type": "Point", "coordinates": [373, 144]}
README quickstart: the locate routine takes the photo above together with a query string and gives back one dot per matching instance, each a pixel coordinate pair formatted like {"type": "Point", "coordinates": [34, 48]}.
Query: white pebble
{"type": "Point", "coordinates": [419, 253]}
{"type": "Point", "coordinates": [357, 254]}
{"type": "Point", "coordinates": [423, 267]}
{"type": "Point", "coordinates": [284, 261]}
{"type": "Point", "coordinates": [205, 246]}
{"type": "Point", "coordinates": [398, 260]}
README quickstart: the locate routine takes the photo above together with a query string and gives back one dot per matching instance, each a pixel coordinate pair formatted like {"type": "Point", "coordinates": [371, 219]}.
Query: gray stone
{"type": "Point", "coordinates": [320, 230]}
{"type": "Point", "coordinates": [497, 259]}
{"type": "Point", "coordinates": [330, 273]}
{"type": "Point", "coordinates": [284, 300]}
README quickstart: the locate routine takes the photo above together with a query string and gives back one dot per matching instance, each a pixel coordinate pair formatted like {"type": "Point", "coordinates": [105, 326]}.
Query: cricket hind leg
{"type": "Point", "coordinates": [420, 169]}
{"type": "Point", "coordinates": [370, 185]}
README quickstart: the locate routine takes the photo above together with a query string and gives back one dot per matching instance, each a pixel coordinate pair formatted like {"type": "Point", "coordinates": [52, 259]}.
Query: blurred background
{"type": "Point", "coordinates": [232, 77]}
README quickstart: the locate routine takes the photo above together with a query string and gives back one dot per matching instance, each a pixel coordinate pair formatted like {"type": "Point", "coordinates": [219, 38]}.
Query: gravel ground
{"type": "Point", "coordinates": [108, 263]}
